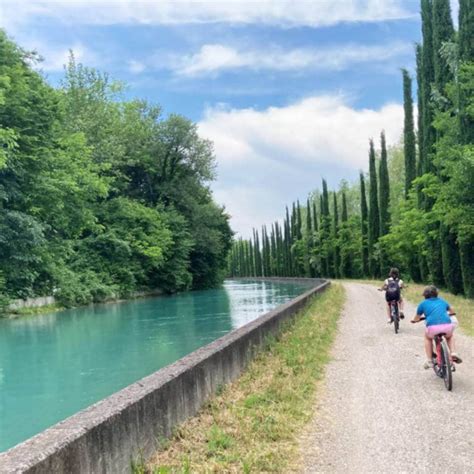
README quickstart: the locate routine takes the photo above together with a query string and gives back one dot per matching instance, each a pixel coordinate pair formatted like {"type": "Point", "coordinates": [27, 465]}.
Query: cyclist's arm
{"type": "Point", "coordinates": [451, 311]}
{"type": "Point", "coordinates": [419, 314]}
{"type": "Point", "coordinates": [416, 318]}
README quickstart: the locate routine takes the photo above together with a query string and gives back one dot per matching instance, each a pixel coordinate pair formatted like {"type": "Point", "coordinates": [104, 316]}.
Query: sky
{"type": "Point", "coordinates": [289, 91]}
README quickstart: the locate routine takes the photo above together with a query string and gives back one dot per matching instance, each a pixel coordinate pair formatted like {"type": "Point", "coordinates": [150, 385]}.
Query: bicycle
{"type": "Point", "coordinates": [394, 313]}
{"type": "Point", "coordinates": [442, 363]}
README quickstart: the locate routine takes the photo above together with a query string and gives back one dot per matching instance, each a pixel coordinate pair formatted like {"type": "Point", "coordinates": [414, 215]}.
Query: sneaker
{"type": "Point", "coordinates": [456, 358]}
{"type": "Point", "coordinates": [428, 364]}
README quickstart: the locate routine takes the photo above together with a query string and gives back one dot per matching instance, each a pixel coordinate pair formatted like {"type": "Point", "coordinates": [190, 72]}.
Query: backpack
{"type": "Point", "coordinates": [393, 290]}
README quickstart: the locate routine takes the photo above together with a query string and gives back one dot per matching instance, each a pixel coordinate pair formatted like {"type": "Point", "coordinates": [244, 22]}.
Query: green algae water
{"type": "Point", "coordinates": [53, 365]}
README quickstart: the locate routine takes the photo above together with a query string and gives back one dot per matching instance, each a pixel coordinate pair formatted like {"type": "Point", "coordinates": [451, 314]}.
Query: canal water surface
{"type": "Point", "coordinates": [53, 365]}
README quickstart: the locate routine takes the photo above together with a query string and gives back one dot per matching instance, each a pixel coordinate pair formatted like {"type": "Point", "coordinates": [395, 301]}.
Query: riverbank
{"type": "Point", "coordinates": [253, 424]}
{"type": "Point", "coordinates": [48, 304]}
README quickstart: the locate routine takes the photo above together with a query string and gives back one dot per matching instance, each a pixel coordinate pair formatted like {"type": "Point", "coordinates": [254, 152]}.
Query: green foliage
{"type": "Point", "coordinates": [100, 197]}
{"type": "Point", "coordinates": [408, 133]}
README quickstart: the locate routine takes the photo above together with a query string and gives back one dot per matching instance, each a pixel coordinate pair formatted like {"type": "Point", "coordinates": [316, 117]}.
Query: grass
{"type": "Point", "coordinates": [254, 423]}
{"type": "Point", "coordinates": [464, 307]}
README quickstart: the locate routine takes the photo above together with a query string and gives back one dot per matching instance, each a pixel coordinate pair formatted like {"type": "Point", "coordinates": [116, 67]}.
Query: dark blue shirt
{"type": "Point", "coordinates": [435, 311]}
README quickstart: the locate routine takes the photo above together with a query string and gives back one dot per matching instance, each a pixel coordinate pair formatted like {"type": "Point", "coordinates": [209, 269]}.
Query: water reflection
{"type": "Point", "coordinates": [56, 364]}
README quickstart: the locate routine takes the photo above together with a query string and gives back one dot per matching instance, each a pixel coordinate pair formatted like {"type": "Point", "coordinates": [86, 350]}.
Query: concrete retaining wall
{"type": "Point", "coordinates": [129, 424]}
{"type": "Point", "coordinates": [32, 302]}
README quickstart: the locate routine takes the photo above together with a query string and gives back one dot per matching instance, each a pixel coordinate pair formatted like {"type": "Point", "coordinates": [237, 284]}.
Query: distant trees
{"type": "Point", "coordinates": [427, 228]}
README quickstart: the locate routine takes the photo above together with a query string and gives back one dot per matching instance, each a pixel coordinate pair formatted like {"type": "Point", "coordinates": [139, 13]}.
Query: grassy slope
{"type": "Point", "coordinates": [464, 307]}
{"type": "Point", "coordinates": [253, 425]}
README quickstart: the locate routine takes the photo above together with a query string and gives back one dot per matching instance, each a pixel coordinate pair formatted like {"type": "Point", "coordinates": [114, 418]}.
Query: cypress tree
{"type": "Point", "coordinates": [419, 81]}
{"type": "Point", "coordinates": [466, 30]}
{"type": "Point", "coordinates": [443, 30]}
{"type": "Point", "coordinates": [335, 238]}
{"type": "Point", "coordinates": [316, 244]}
{"type": "Point", "coordinates": [258, 255]}
{"type": "Point", "coordinates": [408, 133]}
{"type": "Point", "coordinates": [364, 227]}
{"type": "Point", "coordinates": [309, 221]}
{"type": "Point", "coordinates": [434, 258]}
{"type": "Point", "coordinates": [279, 244]}
{"type": "Point", "coordinates": [309, 239]}
{"type": "Point", "coordinates": [273, 251]}
{"type": "Point", "coordinates": [451, 260]}
{"type": "Point", "coordinates": [299, 234]}
{"type": "Point", "coordinates": [344, 208]}
{"type": "Point", "coordinates": [268, 271]}
{"type": "Point", "coordinates": [251, 259]}
{"type": "Point", "coordinates": [428, 79]}
{"type": "Point", "coordinates": [315, 217]}
{"type": "Point", "coordinates": [327, 260]}
{"type": "Point", "coordinates": [466, 126]}
{"type": "Point", "coordinates": [384, 188]}
{"type": "Point", "coordinates": [466, 54]}
{"type": "Point", "coordinates": [288, 244]}
{"type": "Point", "coordinates": [294, 232]}
{"type": "Point", "coordinates": [374, 220]}
{"type": "Point", "coordinates": [346, 257]}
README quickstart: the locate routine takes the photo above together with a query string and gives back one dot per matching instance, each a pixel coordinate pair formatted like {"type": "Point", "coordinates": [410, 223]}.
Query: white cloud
{"type": "Point", "coordinates": [136, 67]}
{"type": "Point", "coordinates": [266, 159]}
{"type": "Point", "coordinates": [213, 58]}
{"type": "Point", "coordinates": [273, 12]}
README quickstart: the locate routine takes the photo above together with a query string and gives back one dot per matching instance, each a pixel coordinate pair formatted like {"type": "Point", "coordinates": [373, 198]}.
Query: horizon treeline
{"type": "Point", "coordinates": [100, 196]}
{"type": "Point", "coordinates": [415, 208]}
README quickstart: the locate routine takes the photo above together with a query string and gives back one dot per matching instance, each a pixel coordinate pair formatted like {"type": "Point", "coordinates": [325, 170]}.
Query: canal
{"type": "Point", "coordinates": [53, 365]}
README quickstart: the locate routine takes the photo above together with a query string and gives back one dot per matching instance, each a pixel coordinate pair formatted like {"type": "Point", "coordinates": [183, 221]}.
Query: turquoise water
{"type": "Point", "coordinates": [54, 365]}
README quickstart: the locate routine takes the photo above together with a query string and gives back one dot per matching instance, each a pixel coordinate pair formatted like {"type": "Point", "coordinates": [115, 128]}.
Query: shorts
{"type": "Point", "coordinates": [432, 331]}
{"type": "Point", "coordinates": [392, 297]}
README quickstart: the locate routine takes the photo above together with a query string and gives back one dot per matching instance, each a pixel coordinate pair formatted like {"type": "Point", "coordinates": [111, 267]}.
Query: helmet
{"type": "Point", "coordinates": [430, 292]}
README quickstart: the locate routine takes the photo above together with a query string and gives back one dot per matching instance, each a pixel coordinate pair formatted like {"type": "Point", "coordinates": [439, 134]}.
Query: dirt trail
{"type": "Point", "coordinates": [379, 411]}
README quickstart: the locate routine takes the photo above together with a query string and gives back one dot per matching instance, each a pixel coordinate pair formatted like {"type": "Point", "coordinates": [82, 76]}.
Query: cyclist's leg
{"type": "Point", "coordinates": [400, 307]}
{"type": "Point", "coordinates": [428, 347]}
{"type": "Point", "coordinates": [389, 311]}
{"type": "Point", "coordinates": [452, 347]}
{"type": "Point", "coordinates": [450, 341]}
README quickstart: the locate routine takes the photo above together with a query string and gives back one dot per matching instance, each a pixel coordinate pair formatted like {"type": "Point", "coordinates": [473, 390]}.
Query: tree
{"type": "Point", "coordinates": [335, 235]}
{"type": "Point", "coordinates": [384, 188]}
{"type": "Point", "coordinates": [374, 216]}
{"type": "Point", "coordinates": [346, 237]}
{"type": "Point", "coordinates": [443, 31]}
{"type": "Point", "coordinates": [364, 227]}
{"type": "Point", "coordinates": [408, 133]}
{"type": "Point", "coordinates": [427, 76]}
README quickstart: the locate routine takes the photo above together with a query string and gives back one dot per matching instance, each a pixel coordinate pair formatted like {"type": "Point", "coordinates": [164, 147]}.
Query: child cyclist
{"type": "Point", "coordinates": [392, 287]}
{"type": "Point", "coordinates": [438, 320]}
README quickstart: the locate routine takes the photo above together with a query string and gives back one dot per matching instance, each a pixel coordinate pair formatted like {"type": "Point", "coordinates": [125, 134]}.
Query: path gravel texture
{"type": "Point", "coordinates": [378, 410]}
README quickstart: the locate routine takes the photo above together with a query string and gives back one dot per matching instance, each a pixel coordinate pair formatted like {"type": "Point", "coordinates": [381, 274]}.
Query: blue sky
{"type": "Point", "coordinates": [289, 91]}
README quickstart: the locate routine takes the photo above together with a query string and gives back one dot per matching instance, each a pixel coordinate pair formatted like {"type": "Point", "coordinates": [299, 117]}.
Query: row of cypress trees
{"type": "Point", "coordinates": [431, 237]}
{"type": "Point", "coordinates": [317, 239]}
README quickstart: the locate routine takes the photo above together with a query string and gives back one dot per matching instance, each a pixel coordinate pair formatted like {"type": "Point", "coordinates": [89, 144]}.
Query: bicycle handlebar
{"type": "Point", "coordinates": [422, 318]}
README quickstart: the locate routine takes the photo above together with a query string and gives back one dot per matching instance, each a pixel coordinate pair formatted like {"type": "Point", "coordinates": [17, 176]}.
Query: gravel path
{"type": "Point", "coordinates": [378, 410]}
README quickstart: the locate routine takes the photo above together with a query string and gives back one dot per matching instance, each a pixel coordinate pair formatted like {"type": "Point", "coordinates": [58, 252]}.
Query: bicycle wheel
{"type": "Point", "coordinates": [447, 371]}
{"type": "Point", "coordinates": [395, 317]}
